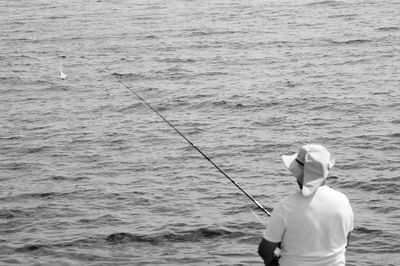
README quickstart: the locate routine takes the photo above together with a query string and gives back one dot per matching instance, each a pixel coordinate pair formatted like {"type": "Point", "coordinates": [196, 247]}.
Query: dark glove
{"type": "Point", "coordinates": [274, 261]}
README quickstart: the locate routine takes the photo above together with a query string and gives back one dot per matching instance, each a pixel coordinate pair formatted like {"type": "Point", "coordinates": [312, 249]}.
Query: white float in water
{"type": "Point", "coordinates": [62, 74]}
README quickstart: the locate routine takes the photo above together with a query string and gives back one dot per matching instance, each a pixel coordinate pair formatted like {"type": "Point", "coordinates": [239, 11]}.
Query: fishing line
{"type": "Point", "coordinates": [196, 148]}
{"type": "Point", "coordinates": [257, 216]}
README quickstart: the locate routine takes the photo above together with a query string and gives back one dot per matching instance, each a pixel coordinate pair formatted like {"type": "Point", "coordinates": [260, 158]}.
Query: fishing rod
{"type": "Point", "coordinates": [196, 148]}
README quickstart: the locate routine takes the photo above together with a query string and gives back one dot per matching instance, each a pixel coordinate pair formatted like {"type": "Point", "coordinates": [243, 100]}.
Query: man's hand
{"type": "Point", "coordinates": [274, 261]}
{"type": "Point", "coordinates": [266, 250]}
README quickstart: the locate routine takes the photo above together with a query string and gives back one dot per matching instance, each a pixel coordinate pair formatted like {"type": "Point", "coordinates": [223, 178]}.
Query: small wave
{"type": "Point", "coordinates": [199, 33]}
{"type": "Point", "coordinates": [130, 108]}
{"type": "Point", "coordinates": [354, 41]}
{"type": "Point", "coordinates": [12, 213]}
{"type": "Point", "coordinates": [57, 17]}
{"type": "Point", "coordinates": [382, 209]}
{"type": "Point", "coordinates": [224, 104]}
{"type": "Point", "coordinates": [176, 60]}
{"type": "Point", "coordinates": [361, 230]}
{"type": "Point", "coordinates": [43, 195]}
{"type": "Point", "coordinates": [18, 166]}
{"type": "Point", "coordinates": [391, 180]}
{"type": "Point", "coordinates": [58, 178]}
{"type": "Point", "coordinates": [381, 93]}
{"type": "Point", "coordinates": [29, 248]}
{"type": "Point", "coordinates": [13, 79]}
{"type": "Point", "coordinates": [10, 81]}
{"type": "Point", "coordinates": [325, 3]}
{"type": "Point", "coordinates": [11, 138]}
{"type": "Point", "coordinates": [33, 247]}
{"type": "Point", "coordinates": [205, 46]}
{"type": "Point", "coordinates": [134, 76]}
{"type": "Point", "coordinates": [382, 186]}
{"type": "Point", "coordinates": [104, 219]}
{"type": "Point", "coordinates": [36, 149]}
{"type": "Point", "coordinates": [388, 29]}
{"type": "Point", "coordinates": [211, 73]}
{"type": "Point", "coordinates": [185, 236]}
{"type": "Point", "coordinates": [348, 16]}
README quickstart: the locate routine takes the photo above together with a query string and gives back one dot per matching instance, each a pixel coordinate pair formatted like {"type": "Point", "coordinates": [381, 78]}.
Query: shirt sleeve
{"type": "Point", "coordinates": [275, 225]}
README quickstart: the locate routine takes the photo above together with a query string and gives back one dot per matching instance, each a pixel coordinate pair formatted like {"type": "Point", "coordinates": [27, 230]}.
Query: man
{"type": "Point", "coordinates": [312, 226]}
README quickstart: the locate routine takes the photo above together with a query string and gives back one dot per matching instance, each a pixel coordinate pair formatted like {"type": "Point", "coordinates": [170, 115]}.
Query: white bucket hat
{"type": "Point", "coordinates": [310, 165]}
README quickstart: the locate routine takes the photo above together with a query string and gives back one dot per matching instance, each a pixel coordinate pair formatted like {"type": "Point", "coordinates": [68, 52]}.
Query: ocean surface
{"type": "Point", "coordinates": [89, 175]}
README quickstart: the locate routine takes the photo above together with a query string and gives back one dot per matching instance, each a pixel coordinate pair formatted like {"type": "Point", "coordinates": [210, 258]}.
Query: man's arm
{"type": "Point", "coordinates": [266, 251]}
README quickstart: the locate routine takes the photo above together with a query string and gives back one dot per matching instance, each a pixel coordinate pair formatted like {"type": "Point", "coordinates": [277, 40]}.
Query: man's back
{"type": "Point", "coordinates": [313, 229]}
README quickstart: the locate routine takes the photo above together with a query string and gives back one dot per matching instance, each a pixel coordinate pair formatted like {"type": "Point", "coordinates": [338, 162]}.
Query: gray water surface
{"type": "Point", "coordinates": [91, 176]}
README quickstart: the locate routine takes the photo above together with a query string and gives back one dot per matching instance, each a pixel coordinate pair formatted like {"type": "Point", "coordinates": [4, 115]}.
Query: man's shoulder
{"type": "Point", "coordinates": [333, 195]}
{"type": "Point", "coordinates": [328, 190]}
{"type": "Point", "coordinates": [294, 197]}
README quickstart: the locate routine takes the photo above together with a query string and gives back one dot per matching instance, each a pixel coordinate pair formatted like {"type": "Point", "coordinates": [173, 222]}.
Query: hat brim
{"type": "Point", "coordinates": [294, 167]}
{"type": "Point", "coordinates": [288, 159]}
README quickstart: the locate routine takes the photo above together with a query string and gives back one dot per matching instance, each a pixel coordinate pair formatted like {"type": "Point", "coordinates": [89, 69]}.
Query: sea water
{"type": "Point", "coordinates": [91, 176]}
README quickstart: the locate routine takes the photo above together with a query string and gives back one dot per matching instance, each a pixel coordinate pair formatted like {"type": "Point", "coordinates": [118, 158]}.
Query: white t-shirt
{"type": "Point", "coordinates": [312, 230]}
